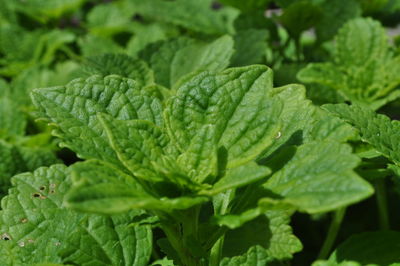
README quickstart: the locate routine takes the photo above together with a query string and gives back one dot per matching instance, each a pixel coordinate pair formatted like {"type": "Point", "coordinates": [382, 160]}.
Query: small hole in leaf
{"type": "Point", "coordinates": [24, 220]}
{"type": "Point", "coordinates": [52, 191]}
{"type": "Point", "coordinates": [52, 185]}
{"type": "Point", "coordinates": [42, 188]}
{"type": "Point", "coordinates": [21, 244]}
{"type": "Point", "coordinates": [36, 195]}
{"type": "Point", "coordinates": [5, 237]}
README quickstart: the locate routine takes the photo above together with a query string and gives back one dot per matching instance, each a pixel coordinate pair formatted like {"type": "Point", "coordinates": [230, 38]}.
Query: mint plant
{"type": "Point", "coordinates": [176, 132]}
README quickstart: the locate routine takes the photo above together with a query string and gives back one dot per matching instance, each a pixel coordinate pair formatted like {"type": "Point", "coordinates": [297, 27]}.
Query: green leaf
{"type": "Point", "coordinates": [12, 120]}
{"type": "Point", "coordinates": [300, 16]}
{"type": "Point", "coordinates": [319, 177]}
{"type": "Point", "coordinates": [238, 177]}
{"type": "Point", "coordinates": [191, 14]}
{"type": "Point", "coordinates": [137, 143]}
{"type": "Point", "coordinates": [101, 188]}
{"type": "Point", "coordinates": [359, 41]}
{"type": "Point", "coordinates": [40, 229]}
{"type": "Point", "coordinates": [270, 231]}
{"type": "Point", "coordinates": [91, 45]}
{"type": "Point", "coordinates": [74, 108]}
{"type": "Point", "coordinates": [109, 19]}
{"type": "Point", "coordinates": [375, 129]}
{"type": "Point", "coordinates": [336, 13]}
{"type": "Point", "coordinates": [236, 101]}
{"type": "Point", "coordinates": [364, 74]}
{"type": "Point", "coordinates": [377, 248]}
{"type": "Point", "coordinates": [121, 65]}
{"type": "Point", "coordinates": [170, 63]}
{"type": "Point", "coordinates": [250, 47]}
{"type": "Point", "coordinates": [201, 158]}
{"type": "Point", "coordinates": [330, 263]}
{"type": "Point", "coordinates": [247, 6]}
{"type": "Point", "coordinates": [255, 256]}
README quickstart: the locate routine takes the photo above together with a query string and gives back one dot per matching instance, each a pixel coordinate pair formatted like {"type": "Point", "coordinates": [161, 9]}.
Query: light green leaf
{"type": "Point", "coordinates": [201, 158]}
{"type": "Point", "coordinates": [104, 189]}
{"type": "Point", "coordinates": [371, 248]}
{"type": "Point", "coordinates": [359, 41]}
{"type": "Point", "coordinates": [74, 108]}
{"type": "Point", "coordinates": [330, 263]}
{"type": "Point", "coordinates": [236, 101]}
{"type": "Point", "coordinates": [137, 143]}
{"type": "Point", "coordinates": [375, 129]}
{"type": "Point", "coordinates": [91, 45]}
{"type": "Point", "coordinates": [40, 229]}
{"type": "Point", "coordinates": [191, 14]}
{"type": "Point", "coordinates": [247, 6]}
{"type": "Point", "coordinates": [122, 65]}
{"type": "Point", "coordinates": [255, 256]}
{"type": "Point", "coordinates": [319, 177]}
{"type": "Point", "coordinates": [109, 19]}
{"type": "Point", "coordinates": [170, 59]}
{"type": "Point", "coordinates": [238, 177]}
{"type": "Point", "coordinates": [363, 69]}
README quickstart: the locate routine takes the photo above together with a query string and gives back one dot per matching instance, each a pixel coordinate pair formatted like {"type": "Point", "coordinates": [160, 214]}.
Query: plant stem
{"type": "Point", "coordinates": [216, 252]}
{"type": "Point", "coordinates": [332, 233]}
{"type": "Point", "coordinates": [381, 200]}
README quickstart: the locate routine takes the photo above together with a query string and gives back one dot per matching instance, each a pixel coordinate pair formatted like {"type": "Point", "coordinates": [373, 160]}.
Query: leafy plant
{"type": "Point", "coordinates": [165, 133]}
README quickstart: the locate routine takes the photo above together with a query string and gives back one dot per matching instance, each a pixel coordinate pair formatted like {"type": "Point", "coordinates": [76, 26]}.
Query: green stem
{"type": "Point", "coordinates": [216, 252]}
{"type": "Point", "coordinates": [332, 233]}
{"type": "Point", "coordinates": [381, 200]}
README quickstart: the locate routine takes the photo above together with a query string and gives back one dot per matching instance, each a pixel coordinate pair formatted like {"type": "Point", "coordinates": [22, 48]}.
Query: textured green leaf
{"type": "Point", "coordinates": [74, 108]}
{"type": "Point", "coordinates": [363, 70]}
{"type": "Point", "coordinates": [137, 143]}
{"type": "Point", "coordinates": [270, 231]}
{"type": "Point", "coordinates": [121, 65]}
{"type": "Point", "coordinates": [371, 248]}
{"type": "Point", "coordinates": [170, 61]}
{"type": "Point", "coordinates": [255, 256]}
{"type": "Point", "coordinates": [236, 101]}
{"type": "Point", "coordinates": [250, 47]}
{"type": "Point", "coordinates": [191, 14]}
{"type": "Point", "coordinates": [104, 189]}
{"type": "Point", "coordinates": [330, 263]}
{"type": "Point", "coordinates": [319, 177]}
{"type": "Point", "coordinates": [296, 115]}
{"type": "Point", "coordinates": [40, 229]}
{"type": "Point", "coordinates": [375, 129]}
{"type": "Point", "coordinates": [201, 158]}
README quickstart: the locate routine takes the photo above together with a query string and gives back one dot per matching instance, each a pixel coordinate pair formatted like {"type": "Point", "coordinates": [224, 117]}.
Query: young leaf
{"type": "Point", "coordinates": [100, 188]}
{"type": "Point", "coordinates": [362, 68]}
{"type": "Point", "coordinates": [74, 110]}
{"type": "Point", "coordinates": [137, 143]}
{"type": "Point", "coordinates": [37, 228]}
{"type": "Point", "coordinates": [236, 101]}
{"type": "Point", "coordinates": [250, 47]}
{"type": "Point", "coordinates": [375, 129]}
{"type": "Point", "coordinates": [319, 177]}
